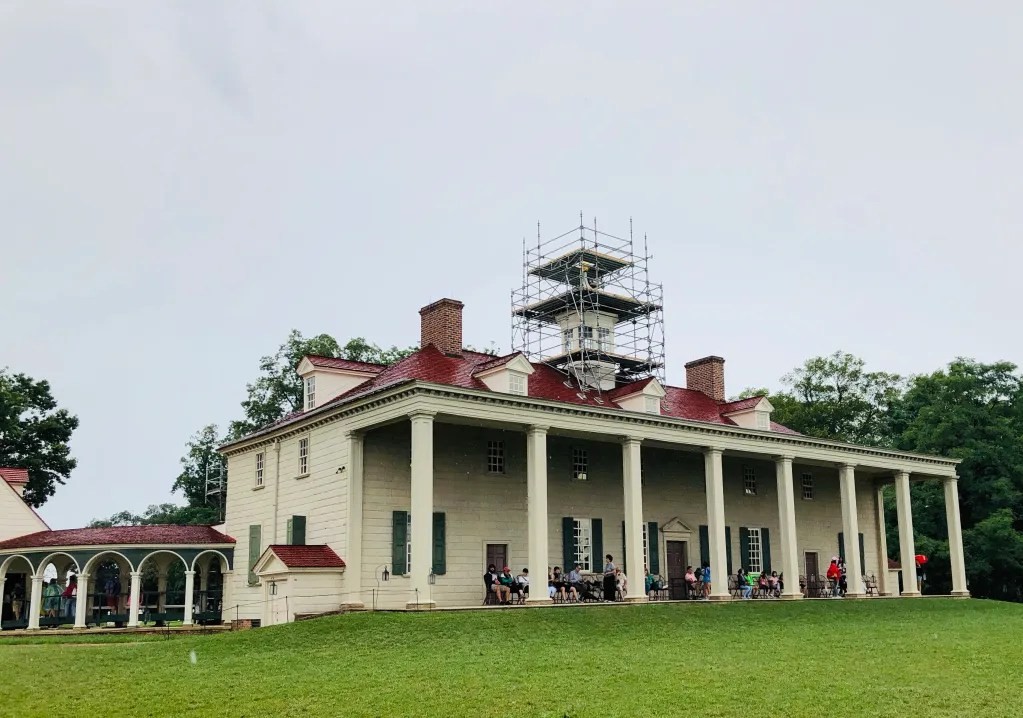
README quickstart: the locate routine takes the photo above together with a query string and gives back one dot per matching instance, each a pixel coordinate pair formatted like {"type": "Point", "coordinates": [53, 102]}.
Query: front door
{"type": "Point", "coordinates": [497, 554]}
{"type": "Point", "coordinates": [810, 565]}
{"type": "Point", "coordinates": [677, 569]}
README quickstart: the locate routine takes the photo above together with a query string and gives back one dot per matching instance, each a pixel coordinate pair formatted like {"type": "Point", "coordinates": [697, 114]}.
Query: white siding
{"type": "Point", "coordinates": [16, 517]}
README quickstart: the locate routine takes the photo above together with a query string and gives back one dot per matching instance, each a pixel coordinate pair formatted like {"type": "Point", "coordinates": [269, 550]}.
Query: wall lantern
{"type": "Point", "coordinates": [433, 577]}
{"type": "Point", "coordinates": [385, 574]}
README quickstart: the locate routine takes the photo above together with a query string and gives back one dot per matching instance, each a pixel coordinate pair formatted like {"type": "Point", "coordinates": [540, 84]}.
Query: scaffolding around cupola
{"type": "Point", "coordinates": [587, 308]}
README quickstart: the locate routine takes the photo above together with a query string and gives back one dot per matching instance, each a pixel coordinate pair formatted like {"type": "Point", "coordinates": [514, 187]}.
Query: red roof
{"type": "Point", "coordinates": [728, 407]}
{"type": "Point", "coordinates": [316, 556]}
{"type": "Point", "coordinates": [119, 535]}
{"type": "Point", "coordinates": [14, 476]}
{"type": "Point", "coordinates": [333, 363]}
{"type": "Point", "coordinates": [429, 364]}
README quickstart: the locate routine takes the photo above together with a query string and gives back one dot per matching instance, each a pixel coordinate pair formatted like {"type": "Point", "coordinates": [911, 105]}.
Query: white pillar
{"type": "Point", "coordinates": [882, 547]}
{"type": "Point", "coordinates": [422, 510]}
{"type": "Point", "coordinates": [133, 599]}
{"type": "Point", "coordinates": [353, 553]}
{"type": "Point", "coordinates": [906, 549]}
{"type": "Point", "coordinates": [955, 538]}
{"type": "Point", "coordinates": [536, 492]}
{"type": "Point", "coordinates": [632, 472]}
{"type": "Point", "coordinates": [82, 601]}
{"type": "Point", "coordinates": [189, 600]}
{"type": "Point", "coordinates": [851, 529]}
{"type": "Point", "coordinates": [716, 523]}
{"type": "Point", "coordinates": [161, 591]}
{"type": "Point", "coordinates": [35, 603]}
{"type": "Point", "coordinates": [787, 526]}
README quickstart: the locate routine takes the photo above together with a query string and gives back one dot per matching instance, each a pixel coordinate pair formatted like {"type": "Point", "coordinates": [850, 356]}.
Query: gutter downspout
{"type": "Point", "coordinates": [277, 484]}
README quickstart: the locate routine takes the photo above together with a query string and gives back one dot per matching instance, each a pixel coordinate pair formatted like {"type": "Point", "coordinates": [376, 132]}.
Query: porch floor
{"type": "Point", "coordinates": [93, 631]}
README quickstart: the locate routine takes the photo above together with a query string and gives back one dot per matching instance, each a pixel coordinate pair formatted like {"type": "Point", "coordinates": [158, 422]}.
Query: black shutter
{"type": "Point", "coordinates": [704, 546]}
{"type": "Point", "coordinates": [568, 547]}
{"type": "Point", "coordinates": [863, 562]}
{"type": "Point", "coordinates": [596, 544]}
{"type": "Point", "coordinates": [743, 548]}
{"type": "Point", "coordinates": [255, 532]}
{"type": "Point", "coordinates": [765, 550]}
{"type": "Point", "coordinates": [296, 531]}
{"type": "Point", "coordinates": [841, 546]}
{"type": "Point", "coordinates": [728, 547]}
{"type": "Point", "coordinates": [653, 547]}
{"type": "Point", "coordinates": [440, 564]}
{"type": "Point", "coordinates": [399, 535]}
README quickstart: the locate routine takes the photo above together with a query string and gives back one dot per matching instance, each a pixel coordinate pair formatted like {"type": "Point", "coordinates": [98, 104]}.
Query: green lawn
{"type": "Point", "coordinates": [921, 657]}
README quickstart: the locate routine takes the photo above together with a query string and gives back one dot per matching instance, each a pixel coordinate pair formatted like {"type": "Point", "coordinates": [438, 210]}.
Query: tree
{"type": "Point", "coordinates": [162, 514]}
{"type": "Point", "coordinates": [199, 462]}
{"type": "Point", "coordinates": [34, 435]}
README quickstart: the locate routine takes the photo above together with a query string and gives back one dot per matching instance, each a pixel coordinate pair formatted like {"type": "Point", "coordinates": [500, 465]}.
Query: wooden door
{"type": "Point", "coordinates": [677, 557]}
{"type": "Point", "coordinates": [497, 554]}
{"type": "Point", "coordinates": [810, 565]}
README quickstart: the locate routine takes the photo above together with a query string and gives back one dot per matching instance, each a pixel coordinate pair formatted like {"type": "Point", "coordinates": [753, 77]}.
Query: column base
{"type": "Point", "coordinates": [960, 594]}
{"type": "Point", "coordinates": [78, 628]}
{"type": "Point", "coordinates": [188, 623]}
{"type": "Point", "coordinates": [850, 594]}
{"type": "Point", "coordinates": [792, 597]}
{"type": "Point", "coordinates": [539, 601]}
{"type": "Point", "coordinates": [636, 599]}
{"type": "Point", "coordinates": [420, 605]}
{"type": "Point", "coordinates": [910, 594]}
{"type": "Point", "coordinates": [720, 597]}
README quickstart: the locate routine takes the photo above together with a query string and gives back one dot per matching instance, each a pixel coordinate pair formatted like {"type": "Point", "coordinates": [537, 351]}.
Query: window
{"type": "Point", "coordinates": [756, 560]}
{"type": "Point", "coordinates": [582, 543]}
{"type": "Point", "coordinates": [516, 383]}
{"type": "Point", "coordinates": [807, 487]}
{"type": "Point", "coordinates": [646, 548]}
{"type": "Point", "coordinates": [580, 464]}
{"type": "Point", "coordinates": [259, 469]}
{"type": "Point", "coordinates": [586, 337]}
{"type": "Point", "coordinates": [763, 422]}
{"type": "Point", "coordinates": [566, 340]}
{"type": "Point", "coordinates": [749, 480]}
{"type": "Point", "coordinates": [653, 405]}
{"type": "Point", "coordinates": [408, 545]}
{"type": "Point", "coordinates": [495, 457]}
{"type": "Point", "coordinates": [604, 339]}
{"type": "Point", "coordinates": [310, 392]}
{"type": "Point", "coordinates": [303, 456]}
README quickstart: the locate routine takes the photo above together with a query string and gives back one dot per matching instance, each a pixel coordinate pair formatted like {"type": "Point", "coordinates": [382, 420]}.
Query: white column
{"type": "Point", "coordinates": [82, 601]}
{"type": "Point", "coordinates": [133, 599]}
{"type": "Point", "coordinates": [716, 523]}
{"type": "Point", "coordinates": [353, 552]}
{"type": "Point", "coordinates": [161, 591]}
{"type": "Point", "coordinates": [787, 526]}
{"type": "Point", "coordinates": [189, 599]}
{"type": "Point", "coordinates": [907, 550]}
{"type": "Point", "coordinates": [955, 538]}
{"type": "Point", "coordinates": [851, 529]}
{"type": "Point", "coordinates": [882, 547]}
{"type": "Point", "coordinates": [632, 472]}
{"type": "Point", "coordinates": [35, 603]}
{"type": "Point", "coordinates": [536, 491]}
{"type": "Point", "coordinates": [422, 510]}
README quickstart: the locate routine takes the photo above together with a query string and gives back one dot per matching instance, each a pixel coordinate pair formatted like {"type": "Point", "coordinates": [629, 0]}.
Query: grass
{"type": "Point", "coordinates": [846, 658]}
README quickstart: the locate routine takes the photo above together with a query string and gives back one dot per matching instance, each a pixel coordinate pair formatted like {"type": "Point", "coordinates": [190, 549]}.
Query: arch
{"type": "Point", "coordinates": [49, 559]}
{"type": "Point", "coordinates": [225, 566]}
{"type": "Point", "coordinates": [157, 552]}
{"type": "Point", "coordinates": [93, 562]}
{"type": "Point", "coordinates": [5, 565]}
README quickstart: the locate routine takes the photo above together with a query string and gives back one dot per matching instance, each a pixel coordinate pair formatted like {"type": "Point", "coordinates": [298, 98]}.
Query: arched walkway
{"type": "Point", "coordinates": [17, 590]}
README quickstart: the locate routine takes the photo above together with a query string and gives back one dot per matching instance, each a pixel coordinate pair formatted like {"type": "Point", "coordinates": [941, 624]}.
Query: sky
{"type": "Point", "coordinates": [182, 183]}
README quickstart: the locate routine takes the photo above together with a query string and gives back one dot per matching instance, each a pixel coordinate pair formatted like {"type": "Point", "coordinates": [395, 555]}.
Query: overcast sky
{"type": "Point", "coordinates": [182, 183]}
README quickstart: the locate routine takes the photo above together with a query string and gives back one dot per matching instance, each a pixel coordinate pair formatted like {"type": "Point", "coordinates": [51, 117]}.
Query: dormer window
{"type": "Point", "coordinates": [763, 420]}
{"type": "Point", "coordinates": [310, 392]}
{"type": "Point", "coordinates": [653, 405]}
{"type": "Point", "coordinates": [516, 383]}
{"type": "Point", "coordinates": [509, 375]}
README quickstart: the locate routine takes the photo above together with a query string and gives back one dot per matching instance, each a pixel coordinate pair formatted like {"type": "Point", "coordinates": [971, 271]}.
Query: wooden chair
{"type": "Point", "coordinates": [870, 584]}
{"type": "Point", "coordinates": [733, 587]}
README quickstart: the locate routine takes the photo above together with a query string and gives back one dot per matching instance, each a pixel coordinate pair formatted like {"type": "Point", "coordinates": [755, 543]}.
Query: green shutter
{"type": "Point", "coordinates": [568, 547]}
{"type": "Point", "coordinates": [399, 535]}
{"type": "Point", "coordinates": [841, 546]}
{"type": "Point", "coordinates": [765, 550]}
{"type": "Point", "coordinates": [743, 548]}
{"type": "Point", "coordinates": [704, 546]}
{"type": "Point", "coordinates": [255, 536]}
{"type": "Point", "coordinates": [728, 547]}
{"type": "Point", "coordinates": [596, 544]}
{"type": "Point", "coordinates": [653, 547]}
{"type": "Point", "coordinates": [296, 531]}
{"type": "Point", "coordinates": [863, 561]}
{"type": "Point", "coordinates": [440, 564]}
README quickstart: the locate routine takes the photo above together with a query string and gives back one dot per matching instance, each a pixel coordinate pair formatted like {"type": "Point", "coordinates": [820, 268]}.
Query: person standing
{"type": "Point", "coordinates": [51, 604]}
{"type": "Point", "coordinates": [834, 576]}
{"type": "Point", "coordinates": [71, 594]}
{"type": "Point", "coordinates": [17, 600]}
{"type": "Point", "coordinates": [706, 581]}
{"type": "Point", "coordinates": [610, 571]}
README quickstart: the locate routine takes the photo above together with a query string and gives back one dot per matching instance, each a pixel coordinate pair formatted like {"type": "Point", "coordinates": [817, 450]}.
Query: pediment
{"type": "Point", "coordinates": [676, 526]}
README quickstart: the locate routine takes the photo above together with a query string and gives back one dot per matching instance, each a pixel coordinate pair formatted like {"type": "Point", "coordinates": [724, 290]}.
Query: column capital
{"type": "Point", "coordinates": [782, 458]}
{"type": "Point", "coordinates": [632, 440]}
{"type": "Point", "coordinates": [189, 573]}
{"type": "Point", "coordinates": [710, 450]}
{"type": "Point", "coordinates": [421, 415]}
{"type": "Point", "coordinates": [900, 474]}
{"type": "Point", "coordinates": [847, 464]}
{"type": "Point", "coordinates": [39, 579]}
{"type": "Point", "coordinates": [355, 434]}
{"type": "Point", "coordinates": [135, 574]}
{"type": "Point", "coordinates": [950, 480]}
{"type": "Point", "coordinates": [537, 429]}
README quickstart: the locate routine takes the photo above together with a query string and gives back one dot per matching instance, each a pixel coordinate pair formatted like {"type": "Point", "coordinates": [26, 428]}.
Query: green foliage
{"type": "Point", "coordinates": [34, 435]}
{"type": "Point", "coordinates": [162, 514]}
{"type": "Point", "coordinates": [200, 460]}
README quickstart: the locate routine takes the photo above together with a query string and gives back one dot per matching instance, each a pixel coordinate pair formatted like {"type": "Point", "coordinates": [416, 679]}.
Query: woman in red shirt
{"type": "Point", "coordinates": [834, 576]}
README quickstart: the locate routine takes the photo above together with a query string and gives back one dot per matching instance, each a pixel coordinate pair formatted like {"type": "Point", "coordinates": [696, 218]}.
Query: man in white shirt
{"type": "Point", "coordinates": [523, 581]}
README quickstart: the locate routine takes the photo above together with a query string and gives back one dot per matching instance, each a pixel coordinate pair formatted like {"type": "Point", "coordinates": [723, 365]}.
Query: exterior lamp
{"type": "Point", "coordinates": [385, 574]}
{"type": "Point", "coordinates": [433, 577]}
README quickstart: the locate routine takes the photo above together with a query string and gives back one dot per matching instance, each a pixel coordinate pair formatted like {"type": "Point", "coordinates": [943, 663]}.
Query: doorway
{"type": "Point", "coordinates": [810, 563]}
{"type": "Point", "coordinates": [678, 557]}
{"type": "Point", "coordinates": [497, 554]}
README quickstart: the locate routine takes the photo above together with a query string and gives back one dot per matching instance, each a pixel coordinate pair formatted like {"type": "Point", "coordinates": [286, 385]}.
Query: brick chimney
{"type": "Point", "coordinates": [441, 325]}
{"type": "Point", "coordinates": [707, 375]}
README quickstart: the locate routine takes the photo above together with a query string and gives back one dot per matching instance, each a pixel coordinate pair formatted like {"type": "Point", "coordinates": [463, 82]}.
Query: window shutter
{"type": "Point", "coordinates": [743, 548]}
{"type": "Point", "coordinates": [765, 549]}
{"type": "Point", "coordinates": [728, 547]}
{"type": "Point", "coordinates": [841, 546]}
{"type": "Point", "coordinates": [863, 562]}
{"type": "Point", "coordinates": [568, 546]}
{"type": "Point", "coordinates": [399, 532]}
{"type": "Point", "coordinates": [704, 546]}
{"type": "Point", "coordinates": [290, 533]}
{"type": "Point", "coordinates": [596, 544]}
{"type": "Point", "coordinates": [296, 531]}
{"type": "Point", "coordinates": [653, 547]}
{"type": "Point", "coordinates": [255, 536]}
{"type": "Point", "coordinates": [440, 564]}
{"type": "Point", "coordinates": [625, 566]}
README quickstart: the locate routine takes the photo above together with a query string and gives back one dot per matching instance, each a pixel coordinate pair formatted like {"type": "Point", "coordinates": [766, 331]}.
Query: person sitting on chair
{"type": "Point", "coordinates": [523, 581]}
{"type": "Point", "coordinates": [506, 579]}
{"type": "Point", "coordinates": [491, 580]}
{"type": "Point", "coordinates": [690, 579]}
{"type": "Point", "coordinates": [577, 587]}
{"type": "Point", "coordinates": [621, 583]}
{"type": "Point", "coordinates": [742, 582]}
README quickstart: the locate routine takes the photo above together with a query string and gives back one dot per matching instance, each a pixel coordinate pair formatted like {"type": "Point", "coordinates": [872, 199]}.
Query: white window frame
{"type": "Point", "coordinates": [303, 456]}
{"type": "Point", "coordinates": [580, 463]}
{"type": "Point", "coordinates": [749, 480]}
{"type": "Point", "coordinates": [260, 461]}
{"type": "Point", "coordinates": [583, 529]}
{"type": "Point", "coordinates": [756, 552]}
{"type": "Point", "coordinates": [310, 392]}
{"type": "Point", "coordinates": [495, 457]}
{"type": "Point", "coordinates": [516, 383]}
{"type": "Point", "coordinates": [763, 421]}
{"type": "Point", "coordinates": [586, 337]}
{"type": "Point", "coordinates": [652, 405]}
{"type": "Point", "coordinates": [646, 545]}
{"type": "Point", "coordinates": [806, 484]}
{"type": "Point", "coordinates": [567, 336]}
{"type": "Point", "coordinates": [604, 339]}
{"type": "Point", "coordinates": [408, 544]}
